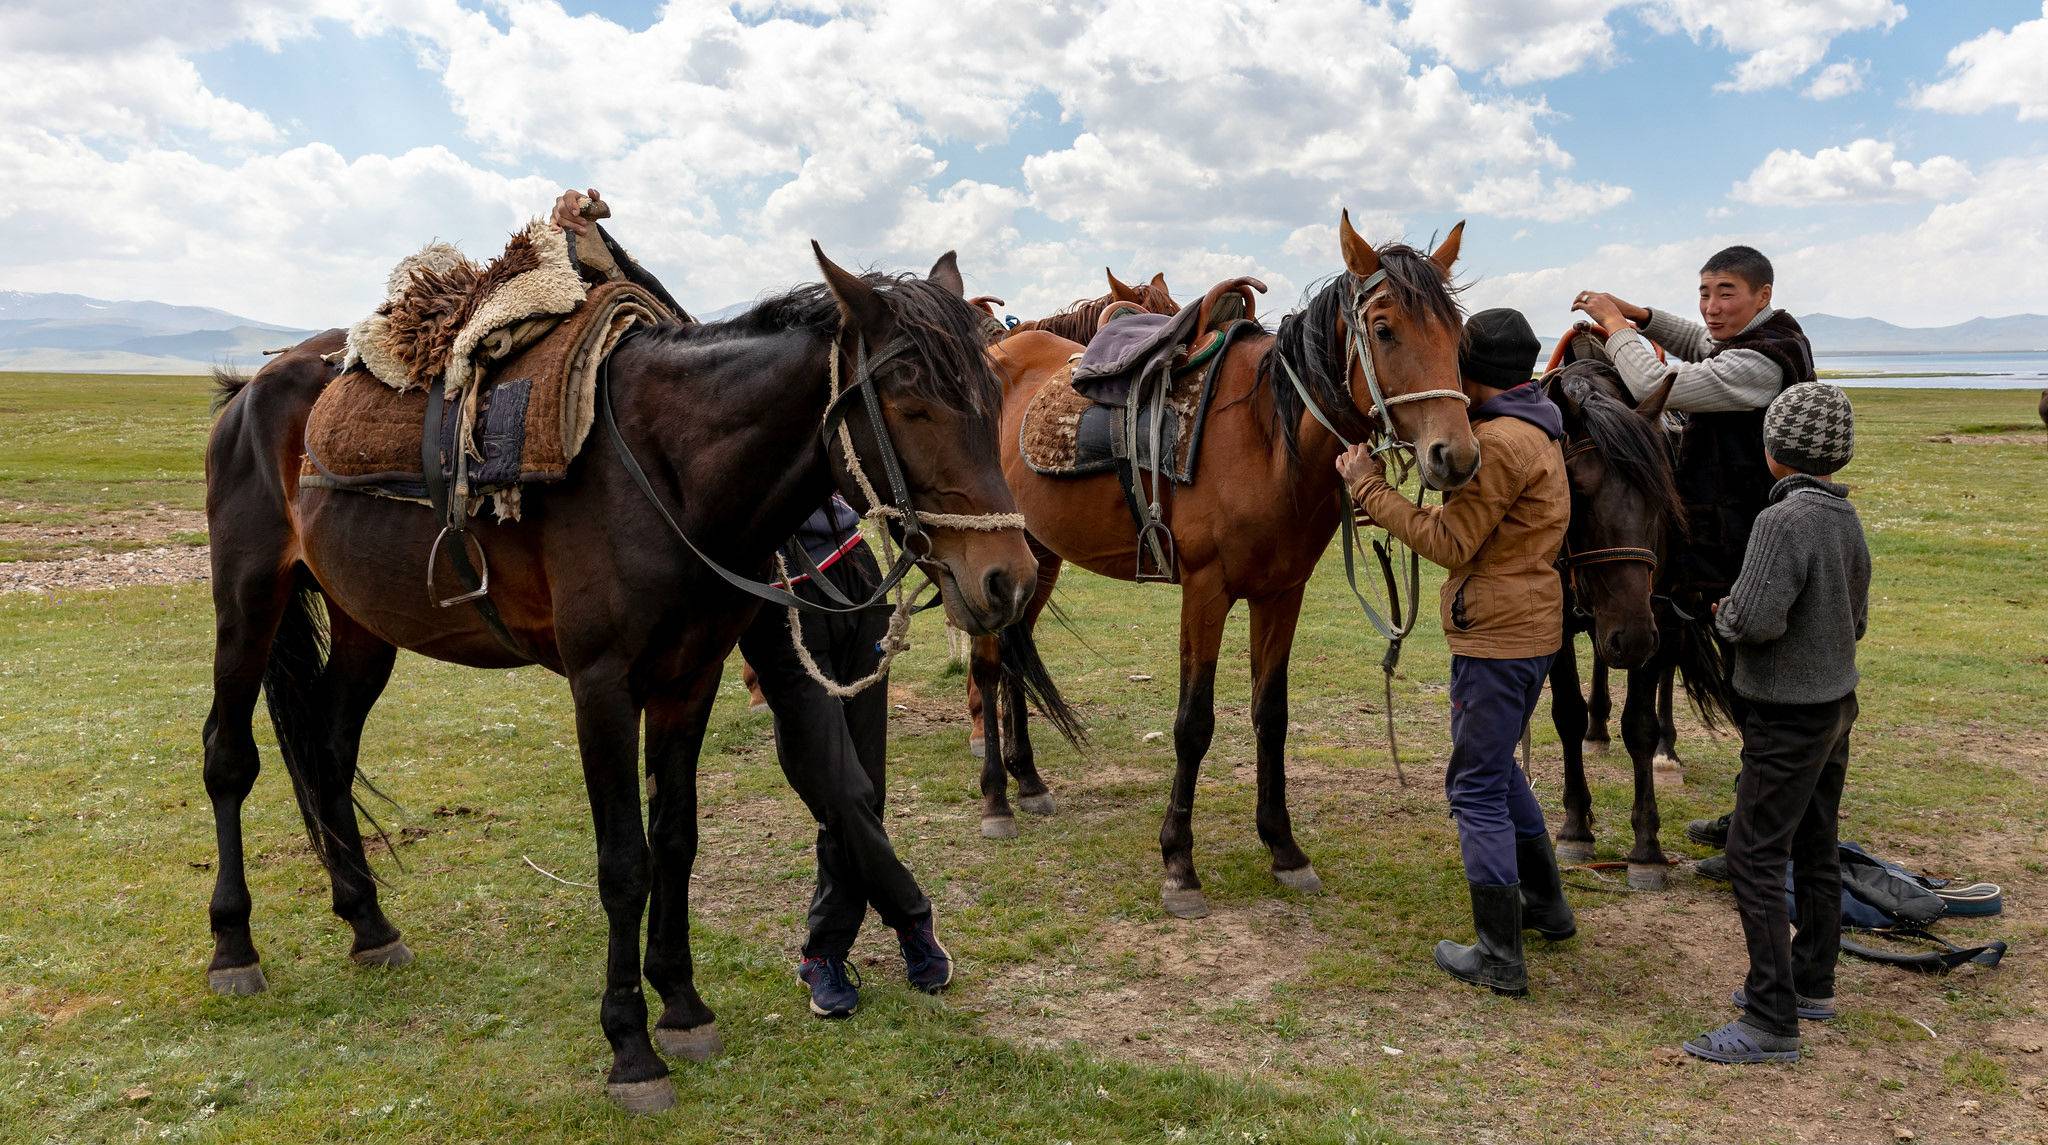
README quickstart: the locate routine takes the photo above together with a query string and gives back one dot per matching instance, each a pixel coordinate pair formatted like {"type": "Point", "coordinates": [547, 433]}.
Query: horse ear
{"type": "Point", "coordinates": [860, 306]}
{"type": "Point", "coordinates": [1554, 389]}
{"type": "Point", "coordinates": [1118, 292]}
{"type": "Point", "coordinates": [1159, 284]}
{"type": "Point", "coordinates": [1447, 253]}
{"type": "Point", "coordinates": [1359, 257]}
{"type": "Point", "coordinates": [946, 272]}
{"type": "Point", "coordinates": [1652, 407]}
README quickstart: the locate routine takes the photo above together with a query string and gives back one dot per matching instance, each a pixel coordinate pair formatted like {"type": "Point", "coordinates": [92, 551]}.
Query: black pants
{"type": "Point", "coordinates": [834, 754]}
{"type": "Point", "coordinates": [1787, 799]}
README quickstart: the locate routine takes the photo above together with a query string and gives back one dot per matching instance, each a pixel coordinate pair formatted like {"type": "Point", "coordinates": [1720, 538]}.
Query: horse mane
{"type": "Point", "coordinates": [1077, 323]}
{"type": "Point", "coordinates": [1311, 339]}
{"type": "Point", "coordinates": [943, 329]}
{"type": "Point", "coordinates": [1636, 450]}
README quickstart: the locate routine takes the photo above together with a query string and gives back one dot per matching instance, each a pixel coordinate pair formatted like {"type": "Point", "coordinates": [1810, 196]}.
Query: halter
{"type": "Point", "coordinates": [1570, 562]}
{"type": "Point", "coordinates": [1384, 437]}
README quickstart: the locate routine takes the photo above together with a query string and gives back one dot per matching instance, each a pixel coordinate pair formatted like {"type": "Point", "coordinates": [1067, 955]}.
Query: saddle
{"type": "Point", "coordinates": [1135, 400]}
{"type": "Point", "coordinates": [520, 421]}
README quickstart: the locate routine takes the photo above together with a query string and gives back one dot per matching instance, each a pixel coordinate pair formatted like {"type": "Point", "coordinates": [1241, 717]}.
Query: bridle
{"type": "Point", "coordinates": [1570, 561]}
{"type": "Point", "coordinates": [1384, 437]}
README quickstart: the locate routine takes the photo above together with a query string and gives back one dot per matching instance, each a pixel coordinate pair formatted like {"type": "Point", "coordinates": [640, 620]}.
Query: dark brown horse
{"type": "Point", "coordinates": [1627, 528]}
{"type": "Point", "coordinates": [592, 584]}
{"type": "Point", "coordinates": [1077, 323]}
{"type": "Point", "coordinates": [1260, 513]}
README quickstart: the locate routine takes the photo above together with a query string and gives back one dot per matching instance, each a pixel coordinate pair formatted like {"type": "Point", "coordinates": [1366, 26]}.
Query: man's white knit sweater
{"type": "Point", "coordinates": [1729, 380]}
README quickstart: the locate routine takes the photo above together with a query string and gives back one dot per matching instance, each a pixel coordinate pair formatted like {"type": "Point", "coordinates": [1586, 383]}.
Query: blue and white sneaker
{"type": "Point", "coordinates": [834, 983]}
{"type": "Point", "coordinates": [926, 963]}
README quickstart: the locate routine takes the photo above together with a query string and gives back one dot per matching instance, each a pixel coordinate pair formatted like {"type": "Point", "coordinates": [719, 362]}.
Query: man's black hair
{"type": "Point", "coordinates": [1744, 262]}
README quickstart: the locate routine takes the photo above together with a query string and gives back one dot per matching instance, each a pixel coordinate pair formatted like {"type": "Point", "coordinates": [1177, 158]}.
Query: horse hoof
{"type": "Point", "coordinates": [1667, 772]}
{"type": "Point", "coordinates": [1646, 876]}
{"type": "Point", "coordinates": [1185, 902]}
{"type": "Point", "coordinates": [650, 1096]}
{"type": "Point", "coordinates": [998, 827]}
{"type": "Point", "coordinates": [698, 1043]}
{"type": "Point", "coordinates": [393, 954]}
{"type": "Point", "coordinates": [238, 980]}
{"type": "Point", "coordinates": [1595, 746]}
{"type": "Point", "coordinates": [977, 747]}
{"type": "Point", "coordinates": [1039, 804]}
{"type": "Point", "coordinates": [1574, 851]}
{"type": "Point", "coordinates": [1303, 879]}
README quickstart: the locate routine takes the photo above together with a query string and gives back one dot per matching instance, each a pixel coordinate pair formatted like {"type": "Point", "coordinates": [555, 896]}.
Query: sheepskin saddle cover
{"type": "Point", "coordinates": [1069, 433]}
{"type": "Point", "coordinates": [522, 421]}
{"type": "Point", "coordinates": [443, 314]}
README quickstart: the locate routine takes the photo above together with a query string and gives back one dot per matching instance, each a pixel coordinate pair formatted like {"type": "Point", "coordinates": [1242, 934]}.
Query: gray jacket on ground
{"type": "Point", "coordinates": [1801, 603]}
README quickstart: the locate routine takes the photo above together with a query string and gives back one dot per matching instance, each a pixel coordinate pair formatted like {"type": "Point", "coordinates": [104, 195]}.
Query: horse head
{"type": "Point", "coordinates": [1401, 322]}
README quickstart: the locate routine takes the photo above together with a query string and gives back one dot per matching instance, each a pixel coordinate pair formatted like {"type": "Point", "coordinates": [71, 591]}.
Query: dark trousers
{"type": "Point", "coordinates": [1787, 798]}
{"type": "Point", "coordinates": [1491, 701]}
{"type": "Point", "coordinates": [834, 754]}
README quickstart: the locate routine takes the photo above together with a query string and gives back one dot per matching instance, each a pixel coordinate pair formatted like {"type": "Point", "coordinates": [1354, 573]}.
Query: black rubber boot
{"type": "Point", "coordinates": [1495, 961]}
{"type": "Point", "coordinates": [1544, 909]}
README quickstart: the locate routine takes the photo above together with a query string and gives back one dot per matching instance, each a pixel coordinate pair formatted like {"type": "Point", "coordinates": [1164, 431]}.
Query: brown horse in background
{"type": "Point", "coordinates": [315, 590]}
{"type": "Point", "coordinates": [1077, 323]}
{"type": "Point", "coordinates": [1254, 523]}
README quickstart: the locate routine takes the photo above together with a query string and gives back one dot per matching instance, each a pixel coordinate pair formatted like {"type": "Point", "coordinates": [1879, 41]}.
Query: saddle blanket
{"type": "Point", "coordinates": [523, 423]}
{"type": "Point", "coordinates": [1065, 433]}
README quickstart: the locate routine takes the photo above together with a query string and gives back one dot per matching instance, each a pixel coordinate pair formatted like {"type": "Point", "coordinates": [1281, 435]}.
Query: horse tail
{"type": "Point", "coordinates": [1704, 671]}
{"type": "Point", "coordinates": [1018, 653]}
{"type": "Point", "coordinates": [227, 382]}
{"type": "Point", "coordinates": [299, 694]}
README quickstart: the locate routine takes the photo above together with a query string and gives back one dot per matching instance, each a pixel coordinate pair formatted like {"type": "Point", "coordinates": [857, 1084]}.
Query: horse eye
{"type": "Point", "coordinates": [1384, 332]}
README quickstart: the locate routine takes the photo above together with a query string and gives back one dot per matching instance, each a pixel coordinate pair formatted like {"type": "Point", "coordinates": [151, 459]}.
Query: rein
{"type": "Point", "coordinates": [1385, 438]}
{"type": "Point", "coordinates": [1569, 562]}
{"type": "Point", "coordinates": [917, 544]}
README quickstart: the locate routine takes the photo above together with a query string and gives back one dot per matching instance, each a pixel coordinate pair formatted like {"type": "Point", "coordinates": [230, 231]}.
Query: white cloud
{"type": "Point", "coordinates": [1839, 79]}
{"type": "Point", "coordinates": [1782, 41]}
{"type": "Point", "coordinates": [1531, 197]}
{"type": "Point", "coordinates": [1996, 69]}
{"type": "Point", "coordinates": [1984, 254]}
{"type": "Point", "coordinates": [1515, 41]}
{"type": "Point", "coordinates": [1865, 171]}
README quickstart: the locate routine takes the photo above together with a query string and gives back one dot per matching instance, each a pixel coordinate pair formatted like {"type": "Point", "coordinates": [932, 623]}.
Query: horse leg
{"type": "Point", "coordinates": [1272, 639]}
{"type": "Point", "coordinates": [1670, 769]}
{"type": "Point", "coordinates": [1203, 608]}
{"type": "Point", "coordinates": [248, 604]}
{"type": "Point", "coordinates": [1602, 707]}
{"type": "Point", "coordinates": [1646, 866]}
{"type": "Point", "coordinates": [997, 821]}
{"type": "Point", "coordinates": [1020, 761]}
{"type": "Point", "coordinates": [676, 718]}
{"type": "Point", "coordinates": [1568, 715]}
{"type": "Point", "coordinates": [608, 734]}
{"type": "Point", "coordinates": [358, 667]}
{"type": "Point", "coordinates": [977, 711]}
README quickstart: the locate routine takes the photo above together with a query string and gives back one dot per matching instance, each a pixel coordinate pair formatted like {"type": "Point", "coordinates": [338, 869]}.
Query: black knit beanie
{"type": "Point", "coordinates": [1499, 349]}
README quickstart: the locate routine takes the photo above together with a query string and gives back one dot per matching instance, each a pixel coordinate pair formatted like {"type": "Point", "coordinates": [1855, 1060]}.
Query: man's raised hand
{"type": "Point", "coordinates": [567, 213]}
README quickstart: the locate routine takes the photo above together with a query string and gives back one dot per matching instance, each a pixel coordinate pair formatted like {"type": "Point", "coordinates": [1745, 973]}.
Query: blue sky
{"type": "Point", "coordinates": [274, 158]}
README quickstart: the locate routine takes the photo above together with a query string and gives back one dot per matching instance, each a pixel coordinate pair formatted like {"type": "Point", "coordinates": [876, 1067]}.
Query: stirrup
{"type": "Point", "coordinates": [483, 587]}
{"type": "Point", "coordinates": [1156, 538]}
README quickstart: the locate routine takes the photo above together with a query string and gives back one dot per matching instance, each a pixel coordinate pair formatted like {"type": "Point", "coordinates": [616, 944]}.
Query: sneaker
{"type": "Point", "coordinates": [1709, 832]}
{"type": "Point", "coordinates": [925, 962]}
{"type": "Point", "coordinates": [835, 986]}
{"type": "Point", "coordinates": [1713, 867]}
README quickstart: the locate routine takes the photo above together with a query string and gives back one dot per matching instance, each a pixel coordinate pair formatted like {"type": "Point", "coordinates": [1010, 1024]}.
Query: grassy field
{"type": "Point", "coordinates": [1080, 1013]}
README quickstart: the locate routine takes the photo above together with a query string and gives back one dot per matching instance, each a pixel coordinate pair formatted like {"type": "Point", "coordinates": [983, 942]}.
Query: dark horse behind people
{"type": "Point", "coordinates": [315, 590]}
{"type": "Point", "coordinates": [1627, 528]}
{"type": "Point", "coordinates": [1263, 507]}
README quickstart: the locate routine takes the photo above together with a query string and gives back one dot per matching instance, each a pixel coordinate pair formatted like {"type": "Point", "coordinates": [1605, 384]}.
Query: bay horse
{"type": "Point", "coordinates": [1263, 507]}
{"type": "Point", "coordinates": [1077, 323]}
{"type": "Point", "coordinates": [726, 420]}
{"type": "Point", "coordinates": [1628, 526]}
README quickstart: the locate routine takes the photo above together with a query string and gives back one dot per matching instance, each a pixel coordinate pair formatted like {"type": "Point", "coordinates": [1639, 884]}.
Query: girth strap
{"type": "Point", "coordinates": [454, 519]}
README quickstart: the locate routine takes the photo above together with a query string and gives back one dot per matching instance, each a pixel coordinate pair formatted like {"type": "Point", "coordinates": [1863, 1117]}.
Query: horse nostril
{"type": "Point", "coordinates": [1439, 457]}
{"type": "Point", "coordinates": [997, 587]}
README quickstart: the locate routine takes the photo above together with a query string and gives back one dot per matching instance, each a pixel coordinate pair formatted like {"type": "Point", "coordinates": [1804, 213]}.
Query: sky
{"type": "Point", "coordinates": [275, 159]}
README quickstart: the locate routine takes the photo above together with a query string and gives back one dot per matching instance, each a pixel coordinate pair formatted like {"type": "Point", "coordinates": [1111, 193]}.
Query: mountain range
{"type": "Point", "coordinates": [70, 332]}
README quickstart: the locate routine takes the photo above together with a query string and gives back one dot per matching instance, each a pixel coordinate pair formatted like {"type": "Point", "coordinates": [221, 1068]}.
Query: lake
{"type": "Point", "coordinates": [1938, 370]}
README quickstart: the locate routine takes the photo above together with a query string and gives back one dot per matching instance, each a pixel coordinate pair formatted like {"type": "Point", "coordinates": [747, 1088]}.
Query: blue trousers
{"type": "Point", "coordinates": [1491, 701]}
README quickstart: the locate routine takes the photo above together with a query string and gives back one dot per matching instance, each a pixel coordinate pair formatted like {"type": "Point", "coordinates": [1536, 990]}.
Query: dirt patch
{"type": "Point", "coordinates": [1990, 438]}
{"type": "Point", "coordinates": [180, 565]}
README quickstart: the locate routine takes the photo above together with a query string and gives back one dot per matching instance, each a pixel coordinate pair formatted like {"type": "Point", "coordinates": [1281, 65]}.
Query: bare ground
{"type": "Point", "coordinates": [113, 549]}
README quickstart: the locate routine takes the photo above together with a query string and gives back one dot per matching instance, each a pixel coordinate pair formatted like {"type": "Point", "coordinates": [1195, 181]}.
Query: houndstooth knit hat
{"type": "Point", "coordinates": [1811, 428]}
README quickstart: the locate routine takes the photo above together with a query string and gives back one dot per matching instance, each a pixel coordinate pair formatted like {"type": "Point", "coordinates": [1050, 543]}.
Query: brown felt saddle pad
{"type": "Point", "coordinates": [522, 424]}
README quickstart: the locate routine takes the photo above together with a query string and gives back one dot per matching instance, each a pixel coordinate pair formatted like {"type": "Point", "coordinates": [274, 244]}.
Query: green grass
{"type": "Point", "coordinates": [1080, 1014]}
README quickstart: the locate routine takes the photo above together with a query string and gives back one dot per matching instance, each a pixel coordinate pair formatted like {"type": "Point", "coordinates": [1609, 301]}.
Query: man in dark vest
{"type": "Point", "coordinates": [1729, 371]}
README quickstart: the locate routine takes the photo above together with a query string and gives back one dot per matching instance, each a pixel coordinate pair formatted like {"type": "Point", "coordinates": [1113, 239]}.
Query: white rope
{"type": "Point", "coordinates": [878, 508]}
{"type": "Point", "coordinates": [1427, 395]}
{"type": "Point", "coordinates": [895, 640]}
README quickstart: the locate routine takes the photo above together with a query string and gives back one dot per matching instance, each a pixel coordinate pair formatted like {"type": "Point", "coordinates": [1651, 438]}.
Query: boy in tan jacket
{"type": "Point", "coordinates": [1503, 616]}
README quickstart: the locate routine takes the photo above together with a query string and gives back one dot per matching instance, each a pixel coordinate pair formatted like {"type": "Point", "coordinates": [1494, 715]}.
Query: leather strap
{"type": "Point", "coordinates": [454, 520]}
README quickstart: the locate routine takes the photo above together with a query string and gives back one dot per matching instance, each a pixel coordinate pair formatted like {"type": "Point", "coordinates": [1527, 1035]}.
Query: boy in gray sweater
{"type": "Point", "coordinates": [1793, 619]}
